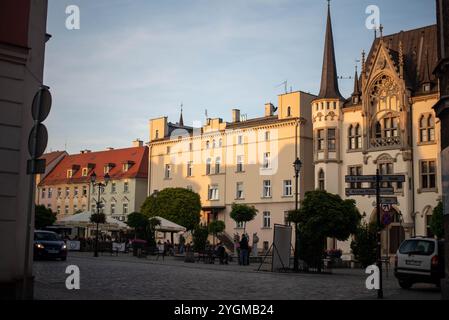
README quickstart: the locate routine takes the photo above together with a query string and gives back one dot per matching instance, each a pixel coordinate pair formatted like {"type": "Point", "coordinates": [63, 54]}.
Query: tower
{"type": "Point", "coordinates": [326, 110]}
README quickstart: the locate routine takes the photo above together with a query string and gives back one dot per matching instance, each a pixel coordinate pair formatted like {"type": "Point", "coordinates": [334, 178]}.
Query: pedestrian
{"type": "Point", "coordinates": [244, 251]}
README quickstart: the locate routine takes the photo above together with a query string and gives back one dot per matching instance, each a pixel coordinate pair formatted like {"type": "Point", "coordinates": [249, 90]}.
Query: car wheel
{"type": "Point", "coordinates": [405, 284]}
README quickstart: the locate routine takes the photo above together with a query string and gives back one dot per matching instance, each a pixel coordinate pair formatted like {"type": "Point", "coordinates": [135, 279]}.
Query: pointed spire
{"type": "Point", "coordinates": [181, 119]}
{"type": "Point", "coordinates": [329, 82]}
{"type": "Point", "coordinates": [356, 91]}
{"type": "Point", "coordinates": [426, 75]}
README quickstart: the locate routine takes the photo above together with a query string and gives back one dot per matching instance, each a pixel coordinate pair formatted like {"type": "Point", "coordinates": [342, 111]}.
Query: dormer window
{"type": "Point", "coordinates": [84, 172]}
{"type": "Point", "coordinates": [107, 167]}
{"type": "Point", "coordinates": [426, 87]}
{"type": "Point", "coordinates": [69, 173]}
{"type": "Point", "coordinates": [157, 134]}
{"type": "Point", "coordinates": [127, 165]}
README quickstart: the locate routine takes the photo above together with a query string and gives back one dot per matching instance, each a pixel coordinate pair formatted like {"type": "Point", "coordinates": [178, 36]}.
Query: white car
{"type": "Point", "coordinates": [419, 260]}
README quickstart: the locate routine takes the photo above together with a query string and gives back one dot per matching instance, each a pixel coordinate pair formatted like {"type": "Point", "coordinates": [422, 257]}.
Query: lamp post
{"type": "Point", "coordinates": [297, 166]}
{"type": "Point", "coordinates": [101, 186]}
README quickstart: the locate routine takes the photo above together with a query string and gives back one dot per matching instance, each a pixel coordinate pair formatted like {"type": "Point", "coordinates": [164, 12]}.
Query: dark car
{"type": "Point", "coordinates": [48, 245]}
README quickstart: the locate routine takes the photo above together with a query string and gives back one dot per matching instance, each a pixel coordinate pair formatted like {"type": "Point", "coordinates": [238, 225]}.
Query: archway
{"type": "Point", "coordinates": [393, 232]}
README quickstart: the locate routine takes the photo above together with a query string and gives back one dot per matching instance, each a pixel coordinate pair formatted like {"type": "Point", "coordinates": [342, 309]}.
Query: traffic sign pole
{"type": "Point", "coordinates": [380, 293]}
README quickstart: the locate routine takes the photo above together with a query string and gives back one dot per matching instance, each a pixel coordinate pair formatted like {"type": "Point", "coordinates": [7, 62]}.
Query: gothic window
{"type": "Point", "coordinates": [331, 139]}
{"type": "Point", "coordinates": [355, 137]}
{"type": "Point", "coordinates": [427, 128]}
{"type": "Point", "coordinates": [321, 185]}
{"type": "Point", "coordinates": [428, 174]}
{"type": "Point", "coordinates": [320, 140]}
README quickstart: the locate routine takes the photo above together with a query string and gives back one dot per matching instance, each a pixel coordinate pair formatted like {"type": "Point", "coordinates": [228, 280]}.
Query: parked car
{"type": "Point", "coordinates": [49, 245]}
{"type": "Point", "coordinates": [419, 260]}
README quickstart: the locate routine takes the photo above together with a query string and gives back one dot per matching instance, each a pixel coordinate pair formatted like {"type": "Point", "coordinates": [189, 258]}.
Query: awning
{"type": "Point", "coordinates": [168, 226]}
{"type": "Point", "coordinates": [83, 220]}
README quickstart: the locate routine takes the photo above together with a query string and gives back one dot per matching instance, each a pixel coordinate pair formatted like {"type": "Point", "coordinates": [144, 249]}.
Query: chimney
{"type": "Point", "coordinates": [109, 149]}
{"type": "Point", "coordinates": [85, 151]}
{"type": "Point", "coordinates": [235, 115]}
{"type": "Point", "coordinates": [137, 143]}
{"type": "Point", "coordinates": [269, 109]}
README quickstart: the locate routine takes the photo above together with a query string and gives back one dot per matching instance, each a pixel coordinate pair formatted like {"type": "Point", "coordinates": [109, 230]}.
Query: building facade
{"type": "Point", "coordinates": [22, 49]}
{"type": "Point", "coordinates": [387, 124]}
{"type": "Point", "coordinates": [244, 161]}
{"type": "Point", "coordinates": [67, 190]}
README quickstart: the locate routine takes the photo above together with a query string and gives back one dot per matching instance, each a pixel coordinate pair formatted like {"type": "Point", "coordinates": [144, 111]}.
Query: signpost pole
{"type": "Point", "coordinates": [380, 293]}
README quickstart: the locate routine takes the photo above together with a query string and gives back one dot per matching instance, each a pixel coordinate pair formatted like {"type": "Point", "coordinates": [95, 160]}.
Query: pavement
{"type": "Point", "coordinates": [126, 277]}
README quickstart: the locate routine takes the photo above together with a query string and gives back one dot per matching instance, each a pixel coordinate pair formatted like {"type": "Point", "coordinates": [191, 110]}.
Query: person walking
{"type": "Point", "coordinates": [244, 251]}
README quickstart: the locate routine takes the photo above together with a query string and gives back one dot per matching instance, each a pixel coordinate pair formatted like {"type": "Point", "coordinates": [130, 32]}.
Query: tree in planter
{"type": "Point", "coordinates": [199, 238]}
{"type": "Point", "coordinates": [436, 222]}
{"type": "Point", "coordinates": [242, 213]}
{"type": "Point", "coordinates": [139, 222]}
{"type": "Point", "coordinates": [323, 215]}
{"type": "Point", "coordinates": [97, 218]}
{"type": "Point", "coordinates": [216, 227]}
{"type": "Point", "coordinates": [44, 217]}
{"type": "Point", "coordinates": [179, 205]}
{"type": "Point", "coordinates": [364, 245]}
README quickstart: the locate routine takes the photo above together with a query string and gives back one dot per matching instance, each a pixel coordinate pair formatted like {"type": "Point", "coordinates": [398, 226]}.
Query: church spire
{"type": "Point", "coordinates": [329, 82]}
{"type": "Point", "coordinates": [181, 119]}
{"type": "Point", "coordinates": [356, 93]}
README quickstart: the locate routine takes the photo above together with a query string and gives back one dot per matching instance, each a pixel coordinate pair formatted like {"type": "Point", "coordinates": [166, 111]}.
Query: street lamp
{"type": "Point", "coordinates": [297, 166]}
{"type": "Point", "coordinates": [101, 186]}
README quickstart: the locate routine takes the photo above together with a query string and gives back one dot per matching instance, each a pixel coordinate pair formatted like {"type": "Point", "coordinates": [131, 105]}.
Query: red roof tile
{"type": "Point", "coordinates": [52, 156]}
{"type": "Point", "coordinates": [138, 155]}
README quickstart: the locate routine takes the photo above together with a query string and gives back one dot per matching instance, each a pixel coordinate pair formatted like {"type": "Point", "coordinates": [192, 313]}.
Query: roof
{"type": "Point", "coordinates": [52, 156]}
{"type": "Point", "coordinates": [95, 162]}
{"type": "Point", "coordinates": [420, 52]}
{"type": "Point", "coordinates": [329, 81]}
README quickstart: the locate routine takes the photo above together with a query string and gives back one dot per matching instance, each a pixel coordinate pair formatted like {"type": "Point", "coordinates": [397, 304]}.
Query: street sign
{"type": "Point", "coordinates": [372, 178]}
{"type": "Point", "coordinates": [368, 191]}
{"type": "Point", "coordinates": [389, 200]}
{"type": "Point", "coordinates": [37, 141]}
{"type": "Point", "coordinates": [41, 105]}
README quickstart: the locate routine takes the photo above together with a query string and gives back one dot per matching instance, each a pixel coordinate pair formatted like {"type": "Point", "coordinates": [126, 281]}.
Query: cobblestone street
{"type": "Point", "coordinates": [127, 277]}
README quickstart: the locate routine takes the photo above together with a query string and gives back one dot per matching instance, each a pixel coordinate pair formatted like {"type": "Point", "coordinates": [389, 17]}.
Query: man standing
{"type": "Point", "coordinates": [244, 259]}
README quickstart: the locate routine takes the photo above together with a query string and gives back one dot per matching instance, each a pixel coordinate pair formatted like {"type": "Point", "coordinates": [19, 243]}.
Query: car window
{"type": "Point", "coordinates": [44, 236]}
{"type": "Point", "coordinates": [418, 247]}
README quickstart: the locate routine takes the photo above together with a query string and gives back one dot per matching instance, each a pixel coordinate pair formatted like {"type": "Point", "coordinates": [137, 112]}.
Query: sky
{"type": "Point", "coordinates": [133, 60]}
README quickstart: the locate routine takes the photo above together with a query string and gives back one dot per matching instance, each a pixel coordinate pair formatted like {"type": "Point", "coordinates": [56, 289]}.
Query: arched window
{"type": "Point", "coordinates": [207, 144]}
{"type": "Point", "coordinates": [378, 130]}
{"type": "Point", "coordinates": [208, 162]}
{"type": "Point", "coordinates": [213, 144]}
{"type": "Point", "coordinates": [351, 135]}
{"type": "Point", "coordinates": [321, 176]}
{"type": "Point", "coordinates": [217, 165]}
{"type": "Point", "coordinates": [289, 112]}
{"type": "Point", "coordinates": [220, 143]}
{"type": "Point", "coordinates": [427, 128]}
{"type": "Point", "coordinates": [358, 136]}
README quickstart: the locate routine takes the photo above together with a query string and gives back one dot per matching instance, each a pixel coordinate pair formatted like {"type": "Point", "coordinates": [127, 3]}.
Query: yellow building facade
{"type": "Point", "coordinates": [245, 161]}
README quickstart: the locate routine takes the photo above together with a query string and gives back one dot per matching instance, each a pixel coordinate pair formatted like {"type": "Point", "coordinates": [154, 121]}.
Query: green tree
{"type": "Point", "coordinates": [199, 237]}
{"type": "Point", "coordinates": [179, 205]}
{"type": "Point", "coordinates": [98, 218]}
{"type": "Point", "coordinates": [44, 217]}
{"type": "Point", "coordinates": [323, 215]}
{"type": "Point", "coordinates": [436, 222]}
{"type": "Point", "coordinates": [216, 227]}
{"type": "Point", "coordinates": [364, 245]}
{"type": "Point", "coordinates": [243, 213]}
{"type": "Point", "coordinates": [139, 222]}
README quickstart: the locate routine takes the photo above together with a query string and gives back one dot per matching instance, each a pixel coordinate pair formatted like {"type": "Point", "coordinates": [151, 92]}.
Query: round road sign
{"type": "Point", "coordinates": [37, 141]}
{"type": "Point", "coordinates": [41, 105]}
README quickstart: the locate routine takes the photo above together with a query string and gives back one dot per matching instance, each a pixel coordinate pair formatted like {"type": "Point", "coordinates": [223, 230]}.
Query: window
{"type": "Point", "coordinates": [207, 144]}
{"type": "Point", "coordinates": [427, 128]}
{"type": "Point", "coordinates": [113, 187]}
{"type": "Point", "coordinates": [75, 208]}
{"type": "Point", "coordinates": [106, 169]}
{"type": "Point", "coordinates": [266, 189]}
{"type": "Point", "coordinates": [355, 171]}
{"type": "Point", "coordinates": [67, 192]}
{"type": "Point", "coordinates": [321, 180]}
{"type": "Point", "coordinates": [208, 164]}
{"type": "Point", "coordinates": [267, 135]}
{"type": "Point", "coordinates": [213, 144]}
{"type": "Point", "coordinates": [390, 127]}
{"type": "Point", "coordinates": [126, 186]}
{"type": "Point", "coordinates": [386, 168]}
{"type": "Point", "coordinates": [43, 193]}
{"type": "Point", "coordinates": [58, 210]}
{"type": "Point", "coordinates": [75, 191]}
{"type": "Point", "coordinates": [220, 143]}
{"type": "Point", "coordinates": [428, 174]}
{"type": "Point", "coordinates": [167, 171]}
{"type": "Point", "coordinates": [69, 173]}
{"type": "Point", "coordinates": [355, 137]}
{"type": "Point", "coordinates": [125, 208]}
{"type": "Point", "coordinates": [157, 134]}
{"type": "Point", "coordinates": [213, 192]}
{"type": "Point", "coordinates": [59, 192]}
{"type": "Point", "coordinates": [239, 225]}
{"type": "Point", "coordinates": [189, 168]}
{"type": "Point", "coordinates": [84, 172]}
{"type": "Point", "coordinates": [168, 150]}
{"type": "Point", "coordinates": [240, 140]}
{"type": "Point", "coordinates": [266, 219]}
{"type": "Point", "coordinates": [239, 163]}
{"type": "Point", "coordinates": [288, 188]}
{"type": "Point", "coordinates": [289, 111]}
{"type": "Point", "coordinates": [190, 146]}
{"type": "Point", "coordinates": [266, 160]}
{"type": "Point", "coordinates": [239, 190]}
{"type": "Point", "coordinates": [320, 140]}
{"type": "Point", "coordinates": [112, 208]}
{"type": "Point", "coordinates": [217, 165]}
{"type": "Point", "coordinates": [66, 209]}
{"type": "Point", "coordinates": [331, 139]}
{"type": "Point", "coordinates": [84, 191]}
